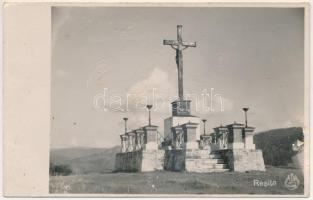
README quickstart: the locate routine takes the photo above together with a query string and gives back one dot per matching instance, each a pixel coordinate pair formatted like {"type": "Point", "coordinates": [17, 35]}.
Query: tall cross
{"type": "Point", "coordinates": [179, 45]}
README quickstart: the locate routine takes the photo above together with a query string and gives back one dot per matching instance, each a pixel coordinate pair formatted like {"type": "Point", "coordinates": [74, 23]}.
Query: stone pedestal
{"type": "Point", "coordinates": [236, 136]}
{"type": "Point", "coordinates": [179, 120]}
{"type": "Point", "coordinates": [151, 137]}
{"type": "Point", "coordinates": [181, 108]}
{"type": "Point", "coordinates": [248, 132]}
{"type": "Point", "coordinates": [190, 135]}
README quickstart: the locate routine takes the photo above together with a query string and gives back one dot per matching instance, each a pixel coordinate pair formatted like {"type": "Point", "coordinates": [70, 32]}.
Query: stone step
{"type": "Point", "coordinates": [220, 170]}
{"type": "Point", "coordinates": [212, 161]}
{"type": "Point", "coordinates": [212, 156]}
{"type": "Point", "coordinates": [214, 166]}
{"type": "Point", "coordinates": [210, 170]}
{"type": "Point", "coordinates": [220, 166]}
{"type": "Point", "coordinates": [198, 152]}
{"type": "Point", "coordinates": [200, 164]}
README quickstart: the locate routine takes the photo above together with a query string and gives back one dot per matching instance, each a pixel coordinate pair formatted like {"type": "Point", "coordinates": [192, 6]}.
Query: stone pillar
{"type": "Point", "coordinates": [139, 138]}
{"type": "Point", "coordinates": [190, 135]}
{"type": "Point", "coordinates": [131, 141]}
{"type": "Point", "coordinates": [248, 137]}
{"type": "Point", "coordinates": [236, 136]}
{"type": "Point", "coordinates": [178, 141]}
{"type": "Point", "coordinates": [151, 137]}
{"type": "Point", "coordinates": [124, 143]}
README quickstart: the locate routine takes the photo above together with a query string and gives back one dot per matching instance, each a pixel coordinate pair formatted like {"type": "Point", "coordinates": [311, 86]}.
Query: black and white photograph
{"type": "Point", "coordinates": [177, 100]}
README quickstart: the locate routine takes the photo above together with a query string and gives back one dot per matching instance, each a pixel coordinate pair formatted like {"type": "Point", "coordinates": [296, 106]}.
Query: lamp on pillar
{"type": "Point", "coordinates": [149, 109]}
{"type": "Point", "coordinates": [125, 119]}
{"type": "Point", "coordinates": [203, 120]}
{"type": "Point", "coordinates": [246, 120]}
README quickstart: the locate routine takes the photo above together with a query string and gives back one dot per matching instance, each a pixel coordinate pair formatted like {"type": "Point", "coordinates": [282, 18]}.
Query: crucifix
{"type": "Point", "coordinates": [179, 45]}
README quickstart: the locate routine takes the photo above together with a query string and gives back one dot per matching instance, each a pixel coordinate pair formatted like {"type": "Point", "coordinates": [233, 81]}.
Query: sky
{"type": "Point", "coordinates": [109, 62]}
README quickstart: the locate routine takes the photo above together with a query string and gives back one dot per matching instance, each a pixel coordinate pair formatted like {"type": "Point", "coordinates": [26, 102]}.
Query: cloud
{"type": "Point", "coordinates": [157, 89]}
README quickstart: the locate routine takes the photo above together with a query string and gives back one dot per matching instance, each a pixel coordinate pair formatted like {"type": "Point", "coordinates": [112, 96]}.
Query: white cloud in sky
{"type": "Point", "coordinates": [156, 89]}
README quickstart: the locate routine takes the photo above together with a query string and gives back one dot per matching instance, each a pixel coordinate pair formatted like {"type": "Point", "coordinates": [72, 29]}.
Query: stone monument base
{"type": "Point", "coordinates": [241, 160]}
{"type": "Point", "coordinates": [190, 160]}
{"type": "Point", "coordinates": [179, 120]}
{"type": "Point", "coordinates": [174, 160]}
{"type": "Point", "coordinates": [139, 161]}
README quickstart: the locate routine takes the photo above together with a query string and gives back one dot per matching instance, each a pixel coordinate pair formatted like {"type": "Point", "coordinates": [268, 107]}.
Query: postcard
{"type": "Point", "coordinates": [153, 100]}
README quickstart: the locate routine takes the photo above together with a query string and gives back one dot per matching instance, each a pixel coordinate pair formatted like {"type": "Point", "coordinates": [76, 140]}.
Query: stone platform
{"type": "Point", "coordinates": [139, 161]}
{"type": "Point", "coordinates": [242, 160]}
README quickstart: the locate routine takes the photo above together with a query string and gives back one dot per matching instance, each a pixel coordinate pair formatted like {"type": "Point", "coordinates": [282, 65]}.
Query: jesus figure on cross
{"type": "Point", "coordinates": [179, 45]}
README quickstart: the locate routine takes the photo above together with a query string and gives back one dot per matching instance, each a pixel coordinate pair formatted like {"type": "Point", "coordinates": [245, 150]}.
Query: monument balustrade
{"type": "Point", "coordinates": [131, 141]}
{"type": "Point", "coordinates": [178, 141]}
{"type": "Point", "coordinates": [185, 136]}
{"type": "Point", "coordinates": [205, 142]}
{"type": "Point", "coordinates": [139, 138]}
{"type": "Point", "coordinates": [124, 143]}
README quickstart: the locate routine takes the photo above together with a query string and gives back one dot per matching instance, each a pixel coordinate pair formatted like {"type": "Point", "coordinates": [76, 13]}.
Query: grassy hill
{"type": "Point", "coordinates": [174, 183]}
{"type": "Point", "coordinates": [85, 160]}
{"type": "Point", "coordinates": [277, 145]}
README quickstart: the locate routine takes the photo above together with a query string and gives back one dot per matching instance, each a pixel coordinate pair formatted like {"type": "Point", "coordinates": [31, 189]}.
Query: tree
{"type": "Point", "coordinates": [59, 170]}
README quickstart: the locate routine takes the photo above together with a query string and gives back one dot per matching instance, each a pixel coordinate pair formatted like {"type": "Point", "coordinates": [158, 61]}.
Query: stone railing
{"type": "Point", "coordinates": [143, 138]}
{"type": "Point", "coordinates": [184, 136]}
{"type": "Point", "coordinates": [233, 136]}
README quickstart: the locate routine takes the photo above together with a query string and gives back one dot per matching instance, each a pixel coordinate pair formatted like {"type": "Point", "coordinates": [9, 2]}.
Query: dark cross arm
{"type": "Point", "coordinates": [189, 44]}
{"type": "Point", "coordinates": [170, 42]}
{"type": "Point", "coordinates": [175, 43]}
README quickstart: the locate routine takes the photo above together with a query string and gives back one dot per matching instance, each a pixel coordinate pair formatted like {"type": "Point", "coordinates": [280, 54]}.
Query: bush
{"type": "Point", "coordinates": [59, 170]}
{"type": "Point", "coordinates": [277, 145]}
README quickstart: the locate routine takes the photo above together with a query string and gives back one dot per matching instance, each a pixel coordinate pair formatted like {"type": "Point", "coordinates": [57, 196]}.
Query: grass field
{"type": "Point", "coordinates": [177, 183]}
